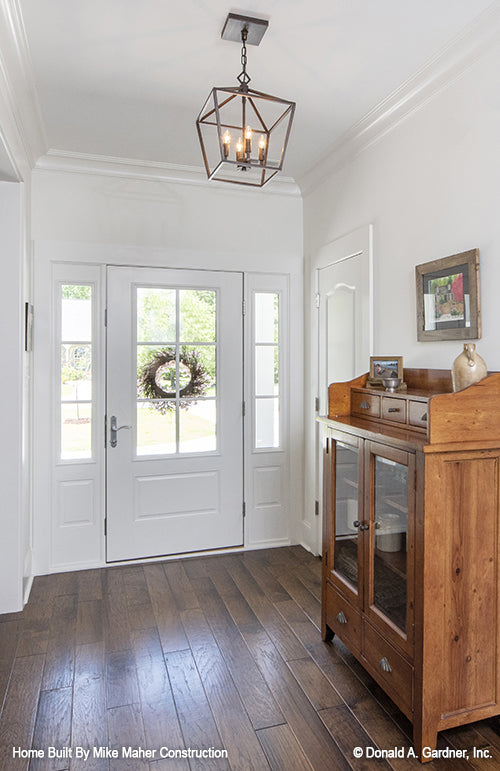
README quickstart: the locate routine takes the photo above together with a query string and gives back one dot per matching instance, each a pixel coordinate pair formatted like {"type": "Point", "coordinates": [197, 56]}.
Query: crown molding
{"type": "Point", "coordinates": [83, 163]}
{"type": "Point", "coordinates": [438, 73]}
{"type": "Point", "coordinates": [21, 119]}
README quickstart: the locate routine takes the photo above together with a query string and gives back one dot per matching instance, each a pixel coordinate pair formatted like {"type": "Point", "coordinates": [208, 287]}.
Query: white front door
{"type": "Point", "coordinates": [174, 412]}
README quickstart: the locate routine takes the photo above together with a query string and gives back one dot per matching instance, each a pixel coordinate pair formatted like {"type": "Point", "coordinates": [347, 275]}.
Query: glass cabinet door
{"type": "Point", "coordinates": [346, 521]}
{"type": "Point", "coordinates": [391, 497]}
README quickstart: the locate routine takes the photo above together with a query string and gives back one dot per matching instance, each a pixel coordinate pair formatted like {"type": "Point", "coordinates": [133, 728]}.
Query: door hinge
{"type": "Point", "coordinates": [316, 300]}
{"type": "Point", "coordinates": [244, 509]}
{"type": "Point", "coordinates": [316, 403]}
{"type": "Point", "coordinates": [316, 508]}
{"type": "Point", "coordinates": [244, 407]}
{"type": "Point", "coordinates": [105, 526]}
{"type": "Point", "coordinates": [105, 317]}
{"type": "Point", "coordinates": [243, 307]}
{"type": "Point", "coordinates": [105, 431]}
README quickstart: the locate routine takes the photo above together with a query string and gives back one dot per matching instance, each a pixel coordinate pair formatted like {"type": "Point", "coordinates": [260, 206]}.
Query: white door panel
{"type": "Point", "coordinates": [344, 322]}
{"type": "Point", "coordinates": [174, 478]}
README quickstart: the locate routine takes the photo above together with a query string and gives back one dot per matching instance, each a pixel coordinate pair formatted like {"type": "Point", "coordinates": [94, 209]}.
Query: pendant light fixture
{"type": "Point", "coordinates": [244, 133]}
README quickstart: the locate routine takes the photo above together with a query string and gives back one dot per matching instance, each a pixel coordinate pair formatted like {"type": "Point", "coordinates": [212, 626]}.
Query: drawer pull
{"type": "Point", "coordinates": [384, 665]}
{"type": "Point", "coordinates": [394, 409]}
{"type": "Point", "coordinates": [364, 405]}
{"type": "Point", "coordinates": [356, 523]}
{"type": "Point", "coordinates": [424, 417]}
{"type": "Point", "coordinates": [341, 618]}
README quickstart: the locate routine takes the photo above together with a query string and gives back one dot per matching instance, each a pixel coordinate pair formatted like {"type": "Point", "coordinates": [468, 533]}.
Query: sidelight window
{"type": "Point", "coordinates": [267, 369]}
{"type": "Point", "coordinates": [76, 367]}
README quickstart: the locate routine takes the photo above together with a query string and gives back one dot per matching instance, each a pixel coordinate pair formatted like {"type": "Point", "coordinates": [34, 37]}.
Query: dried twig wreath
{"type": "Point", "coordinates": [149, 380]}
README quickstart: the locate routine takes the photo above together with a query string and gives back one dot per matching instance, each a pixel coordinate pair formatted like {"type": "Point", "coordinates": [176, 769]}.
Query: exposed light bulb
{"type": "Point", "coordinates": [226, 140]}
{"type": "Point", "coordinates": [248, 140]}
{"type": "Point", "coordinates": [262, 147]}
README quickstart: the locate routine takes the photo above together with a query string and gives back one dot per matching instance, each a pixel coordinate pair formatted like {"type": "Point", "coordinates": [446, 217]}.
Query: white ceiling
{"type": "Point", "coordinates": [127, 79]}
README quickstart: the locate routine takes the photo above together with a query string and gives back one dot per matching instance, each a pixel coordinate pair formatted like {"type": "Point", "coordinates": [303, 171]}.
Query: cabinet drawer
{"type": "Point", "coordinates": [393, 409]}
{"type": "Point", "coordinates": [418, 413]}
{"type": "Point", "coordinates": [365, 405]}
{"type": "Point", "coordinates": [343, 619]}
{"type": "Point", "coordinates": [389, 668]}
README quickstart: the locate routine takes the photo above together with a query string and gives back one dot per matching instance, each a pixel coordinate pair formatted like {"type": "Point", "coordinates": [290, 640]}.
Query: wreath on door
{"type": "Point", "coordinates": [160, 372]}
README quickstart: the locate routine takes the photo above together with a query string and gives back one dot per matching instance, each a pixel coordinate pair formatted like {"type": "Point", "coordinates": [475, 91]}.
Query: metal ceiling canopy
{"type": "Point", "coordinates": [235, 23]}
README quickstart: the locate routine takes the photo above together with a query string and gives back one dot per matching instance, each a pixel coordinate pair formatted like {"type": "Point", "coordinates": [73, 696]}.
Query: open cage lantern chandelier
{"type": "Point", "coordinates": [244, 133]}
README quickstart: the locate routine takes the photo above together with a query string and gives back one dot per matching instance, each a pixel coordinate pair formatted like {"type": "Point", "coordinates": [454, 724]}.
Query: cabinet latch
{"type": "Point", "coordinates": [384, 665]}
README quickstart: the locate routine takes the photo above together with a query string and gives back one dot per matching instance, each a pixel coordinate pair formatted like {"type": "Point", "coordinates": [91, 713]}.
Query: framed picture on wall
{"type": "Point", "coordinates": [448, 305]}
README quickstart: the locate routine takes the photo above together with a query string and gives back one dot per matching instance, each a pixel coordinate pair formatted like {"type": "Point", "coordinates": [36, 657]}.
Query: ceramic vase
{"type": "Point", "coordinates": [468, 368]}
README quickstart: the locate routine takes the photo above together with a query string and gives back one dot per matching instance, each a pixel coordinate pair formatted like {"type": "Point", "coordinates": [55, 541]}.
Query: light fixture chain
{"type": "Point", "coordinates": [244, 78]}
{"type": "Point", "coordinates": [244, 35]}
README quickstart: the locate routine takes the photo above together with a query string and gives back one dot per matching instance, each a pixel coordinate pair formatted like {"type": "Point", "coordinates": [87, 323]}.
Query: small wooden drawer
{"type": "Point", "coordinates": [343, 619]}
{"type": "Point", "coordinates": [365, 405]}
{"type": "Point", "coordinates": [418, 413]}
{"type": "Point", "coordinates": [389, 668]}
{"type": "Point", "coordinates": [393, 409]}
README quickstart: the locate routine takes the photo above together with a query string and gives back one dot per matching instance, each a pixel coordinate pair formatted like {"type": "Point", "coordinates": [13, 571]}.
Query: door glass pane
{"type": "Point", "coordinates": [266, 317]}
{"type": "Point", "coordinates": [178, 378]}
{"type": "Point", "coordinates": [156, 314]}
{"type": "Point", "coordinates": [391, 527]}
{"type": "Point", "coordinates": [197, 315]}
{"type": "Point", "coordinates": [267, 423]}
{"type": "Point", "coordinates": [197, 426]}
{"type": "Point", "coordinates": [76, 372]}
{"type": "Point", "coordinates": [197, 371]}
{"type": "Point", "coordinates": [265, 370]}
{"type": "Point", "coordinates": [345, 556]}
{"type": "Point", "coordinates": [156, 428]}
{"type": "Point", "coordinates": [76, 431]}
{"type": "Point", "coordinates": [267, 374]}
{"type": "Point", "coordinates": [76, 313]}
{"type": "Point", "coordinates": [156, 372]}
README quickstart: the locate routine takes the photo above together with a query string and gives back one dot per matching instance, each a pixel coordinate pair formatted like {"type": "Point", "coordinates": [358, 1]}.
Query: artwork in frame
{"type": "Point", "coordinates": [385, 367]}
{"type": "Point", "coordinates": [448, 302]}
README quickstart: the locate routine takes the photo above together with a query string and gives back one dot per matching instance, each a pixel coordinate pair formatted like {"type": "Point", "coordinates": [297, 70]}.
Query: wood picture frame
{"type": "Point", "coordinates": [385, 366]}
{"type": "Point", "coordinates": [448, 298]}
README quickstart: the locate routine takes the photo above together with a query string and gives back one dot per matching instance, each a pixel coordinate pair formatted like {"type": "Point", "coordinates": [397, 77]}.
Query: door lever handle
{"type": "Point", "coordinates": [113, 431]}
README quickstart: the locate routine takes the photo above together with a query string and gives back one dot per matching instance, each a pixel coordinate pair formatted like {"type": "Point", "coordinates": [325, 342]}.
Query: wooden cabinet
{"type": "Point", "coordinates": [411, 529]}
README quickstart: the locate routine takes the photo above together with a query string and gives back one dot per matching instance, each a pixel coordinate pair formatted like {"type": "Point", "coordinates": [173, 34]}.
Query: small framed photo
{"type": "Point", "coordinates": [385, 366]}
{"type": "Point", "coordinates": [448, 303]}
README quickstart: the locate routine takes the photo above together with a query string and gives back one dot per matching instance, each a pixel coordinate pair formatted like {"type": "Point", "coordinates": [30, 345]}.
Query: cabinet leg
{"type": "Point", "coordinates": [326, 633]}
{"type": "Point", "coordinates": [424, 737]}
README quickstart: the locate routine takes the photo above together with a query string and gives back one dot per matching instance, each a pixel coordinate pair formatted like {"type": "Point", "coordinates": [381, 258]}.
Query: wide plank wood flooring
{"type": "Point", "coordinates": [222, 652]}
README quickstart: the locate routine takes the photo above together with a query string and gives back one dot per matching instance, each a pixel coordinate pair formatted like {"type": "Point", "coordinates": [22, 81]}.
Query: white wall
{"type": "Point", "coordinates": [105, 219]}
{"type": "Point", "coordinates": [431, 189]}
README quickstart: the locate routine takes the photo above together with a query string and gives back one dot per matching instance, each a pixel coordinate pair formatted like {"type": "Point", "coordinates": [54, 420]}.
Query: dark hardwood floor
{"type": "Point", "coordinates": [215, 653]}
